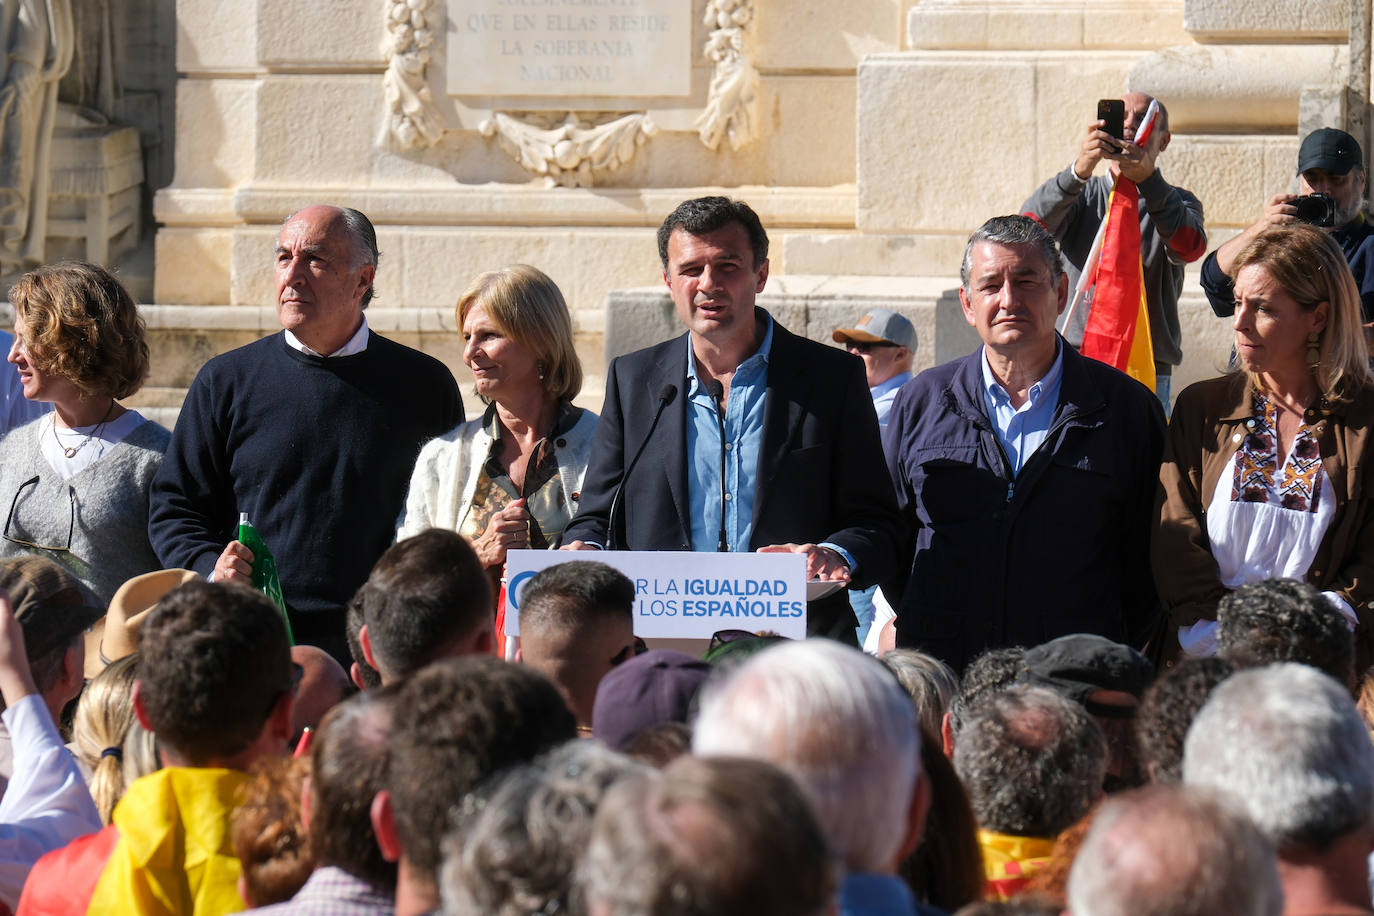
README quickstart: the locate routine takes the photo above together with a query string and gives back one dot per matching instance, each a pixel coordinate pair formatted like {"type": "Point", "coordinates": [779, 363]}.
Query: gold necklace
{"type": "Point", "coordinates": [71, 450]}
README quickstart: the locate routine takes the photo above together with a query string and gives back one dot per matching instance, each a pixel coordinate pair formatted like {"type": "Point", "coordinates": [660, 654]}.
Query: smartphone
{"type": "Point", "coordinates": [1113, 111]}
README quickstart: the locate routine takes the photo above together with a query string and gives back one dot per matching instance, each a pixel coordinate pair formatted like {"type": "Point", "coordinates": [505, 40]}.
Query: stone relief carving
{"type": "Point", "coordinates": [573, 152]}
{"type": "Point", "coordinates": [731, 108]}
{"type": "Point", "coordinates": [412, 119]}
{"type": "Point", "coordinates": [38, 42]}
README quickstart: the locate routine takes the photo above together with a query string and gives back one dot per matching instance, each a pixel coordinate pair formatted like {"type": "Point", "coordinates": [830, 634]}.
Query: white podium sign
{"type": "Point", "coordinates": [687, 595]}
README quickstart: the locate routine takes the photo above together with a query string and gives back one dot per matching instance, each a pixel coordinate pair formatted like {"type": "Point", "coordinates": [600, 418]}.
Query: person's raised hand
{"type": "Point", "coordinates": [16, 679]}
{"type": "Point", "coordinates": [1134, 162]}
{"type": "Point", "coordinates": [1097, 145]}
{"type": "Point", "coordinates": [1278, 211]}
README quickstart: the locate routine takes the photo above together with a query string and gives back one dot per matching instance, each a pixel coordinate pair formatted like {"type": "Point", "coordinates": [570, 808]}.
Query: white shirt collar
{"type": "Point", "coordinates": [356, 344]}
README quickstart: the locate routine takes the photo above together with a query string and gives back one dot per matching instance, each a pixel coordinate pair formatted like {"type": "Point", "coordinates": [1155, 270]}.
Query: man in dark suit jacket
{"type": "Point", "coordinates": [803, 460]}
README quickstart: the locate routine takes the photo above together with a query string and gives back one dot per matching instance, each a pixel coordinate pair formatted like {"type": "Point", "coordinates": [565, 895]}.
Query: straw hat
{"type": "Point", "coordinates": [117, 635]}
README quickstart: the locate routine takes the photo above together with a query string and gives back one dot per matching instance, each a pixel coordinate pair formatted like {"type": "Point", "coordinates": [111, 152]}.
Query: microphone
{"type": "Point", "coordinates": [666, 394]}
{"type": "Point", "coordinates": [717, 392]}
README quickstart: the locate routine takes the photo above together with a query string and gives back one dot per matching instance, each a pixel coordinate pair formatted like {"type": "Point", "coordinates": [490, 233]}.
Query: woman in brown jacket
{"type": "Point", "coordinates": [1265, 470]}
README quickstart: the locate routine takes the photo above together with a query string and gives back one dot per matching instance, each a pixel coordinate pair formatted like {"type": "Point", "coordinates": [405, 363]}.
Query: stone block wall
{"type": "Point", "coordinates": [883, 132]}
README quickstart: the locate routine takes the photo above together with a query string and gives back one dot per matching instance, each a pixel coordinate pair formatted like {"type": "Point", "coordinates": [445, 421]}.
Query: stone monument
{"type": "Point", "coordinates": [80, 128]}
{"type": "Point", "coordinates": [871, 136]}
{"type": "Point", "coordinates": [38, 41]}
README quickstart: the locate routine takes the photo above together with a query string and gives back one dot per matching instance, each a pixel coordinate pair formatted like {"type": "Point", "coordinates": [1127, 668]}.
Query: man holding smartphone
{"type": "Point", "coordinates": [1073, 203]}
{"type": "Point", "coordinates": [1330, 163]}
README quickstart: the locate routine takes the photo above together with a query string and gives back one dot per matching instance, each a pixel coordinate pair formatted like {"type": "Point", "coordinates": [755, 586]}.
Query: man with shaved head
{"type": "Point", "coordinates": [312, 432]}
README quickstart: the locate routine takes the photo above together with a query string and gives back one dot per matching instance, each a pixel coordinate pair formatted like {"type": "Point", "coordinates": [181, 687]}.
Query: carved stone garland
{"type": "Point", "coordinates": [732, 106]}
{"type": "Point", "coordinates": [573, 152]}
{"type": "Point", "coordinates": [412, 118]}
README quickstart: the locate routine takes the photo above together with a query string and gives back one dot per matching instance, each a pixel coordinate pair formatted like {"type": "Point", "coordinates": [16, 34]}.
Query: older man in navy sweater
{"type": "Point", "coordinates": [313, 432]}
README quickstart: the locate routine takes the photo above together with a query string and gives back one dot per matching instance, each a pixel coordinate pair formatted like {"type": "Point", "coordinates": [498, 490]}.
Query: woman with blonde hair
{"type": "Point", "coordinates": [1264, 471]}
{"type": "Point", "coordinates": [511, 478]}
{"type": "Point", "coordinates": [113, 748]}
{"type": "Point", "coordinates": [75, 482]}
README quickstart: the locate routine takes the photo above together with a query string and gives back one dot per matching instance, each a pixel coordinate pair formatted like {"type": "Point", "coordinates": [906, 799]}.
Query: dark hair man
{"type": "Point", "coordinates": [576, 624]}
{"type": "Point", "coordinates": [361, 672]}
{"type": "Point", "coordinates": [1033, 763]}
{"type": "Point", "coordinates": [312, 432]}
{"type": "Point", "coordinates": [1025, 472]}
{"type": "Point", "coordinates": [1073, 204]}
{"type": "Point", "coordinates": [717, 837]}
{"type": "Point", "coordinates": [1330, 162]}
{"type": "Point", "coordinates": [456, 723]}
{"type": "Point", "coordinates": [214, 687]}
{"type": "Point", "coordinates": [795, 412]}
{"type": "Point", "coordinates": [426, 599]}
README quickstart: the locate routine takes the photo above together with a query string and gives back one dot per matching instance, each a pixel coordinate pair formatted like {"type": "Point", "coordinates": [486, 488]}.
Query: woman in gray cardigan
{"type": "Point", "coordinates": [74, 482]}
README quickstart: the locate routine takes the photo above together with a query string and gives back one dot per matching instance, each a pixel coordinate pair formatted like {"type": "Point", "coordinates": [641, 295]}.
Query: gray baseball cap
{"type": "Point", "coordinates": [879, 326]}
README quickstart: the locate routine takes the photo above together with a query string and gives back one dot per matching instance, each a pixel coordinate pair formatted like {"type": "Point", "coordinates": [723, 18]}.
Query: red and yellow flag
{"type": "Point", "coordinates": [1117, 331]}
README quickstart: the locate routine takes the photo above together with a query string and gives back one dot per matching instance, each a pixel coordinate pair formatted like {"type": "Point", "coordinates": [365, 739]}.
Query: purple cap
{"type": "Point", "coordinates": [657, 686]}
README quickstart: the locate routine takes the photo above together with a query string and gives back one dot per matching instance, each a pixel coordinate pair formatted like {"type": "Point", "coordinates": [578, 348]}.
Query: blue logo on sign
{"type": "Point", "coordinates": [515, 587]}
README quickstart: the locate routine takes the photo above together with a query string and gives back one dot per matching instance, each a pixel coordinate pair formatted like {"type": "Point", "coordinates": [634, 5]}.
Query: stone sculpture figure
{"type": "Point", "coordinates": [38, 42]}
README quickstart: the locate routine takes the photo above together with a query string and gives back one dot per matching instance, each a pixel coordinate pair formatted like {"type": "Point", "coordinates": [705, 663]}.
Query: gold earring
{"type": "Point", "coordinates": [1313, 352]}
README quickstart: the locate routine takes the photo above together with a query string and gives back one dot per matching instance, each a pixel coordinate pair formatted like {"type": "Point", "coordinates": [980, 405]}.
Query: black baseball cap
{"type": "Point", "coordinates": [1080, 665]}
{"type": "Point", "coordinates": [1330, 150]}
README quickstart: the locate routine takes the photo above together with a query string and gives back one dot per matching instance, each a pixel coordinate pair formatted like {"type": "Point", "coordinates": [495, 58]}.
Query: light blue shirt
{"type": "Point", "coordinates": [743, 443]}
{"type": "Point", "coordinates": [1022, 430]}
{"type": "Point", "coordinates": [884, 393]}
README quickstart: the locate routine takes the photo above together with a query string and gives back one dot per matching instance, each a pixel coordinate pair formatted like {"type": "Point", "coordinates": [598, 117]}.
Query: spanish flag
{"type": "Point", "coordinates": [1117, 331]}
{"type": "Point", "coordinates": [167, 852]}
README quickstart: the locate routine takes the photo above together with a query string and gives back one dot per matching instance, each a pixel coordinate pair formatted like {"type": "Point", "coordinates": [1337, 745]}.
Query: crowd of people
{"type": "Point", "coordinates": [1119, 642]}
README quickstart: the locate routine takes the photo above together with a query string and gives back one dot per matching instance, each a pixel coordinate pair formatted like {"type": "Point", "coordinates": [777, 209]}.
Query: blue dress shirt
{"type": "Point", "coordinates": [884, 393]}
{"type": "Point", "coordinates": [1021, 430]}
{"type": "Point", "coordinates": [743, 442]}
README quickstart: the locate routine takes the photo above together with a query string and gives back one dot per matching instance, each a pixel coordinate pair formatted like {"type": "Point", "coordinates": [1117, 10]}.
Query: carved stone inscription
{"type": "Point", "coordinates": [569, 48]}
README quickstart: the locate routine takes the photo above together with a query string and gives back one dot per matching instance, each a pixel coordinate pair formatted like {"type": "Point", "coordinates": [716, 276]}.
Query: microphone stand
{"type": "Point", "coordinates": [665, 397]}
{"type": "Point", "coordinates": [717, 392]}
